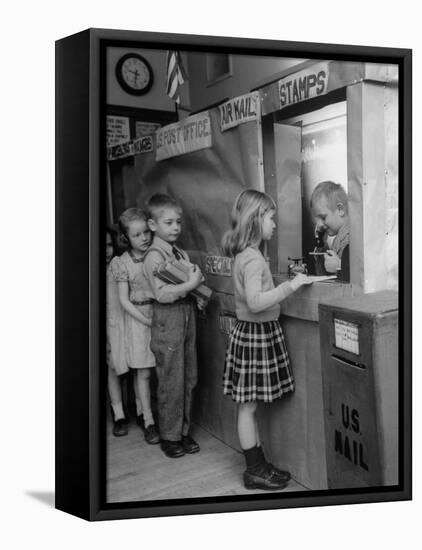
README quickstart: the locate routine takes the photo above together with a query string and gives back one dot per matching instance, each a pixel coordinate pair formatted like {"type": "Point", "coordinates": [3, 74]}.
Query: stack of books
{"type": "Point", "coordinates": [176, 272]}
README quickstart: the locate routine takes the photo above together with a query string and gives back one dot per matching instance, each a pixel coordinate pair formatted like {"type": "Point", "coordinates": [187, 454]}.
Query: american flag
{"type": "Point", "coordinates": [176, 75]}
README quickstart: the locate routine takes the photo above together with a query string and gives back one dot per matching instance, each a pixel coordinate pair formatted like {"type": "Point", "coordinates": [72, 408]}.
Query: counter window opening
{"type": "Point", "coordinates": [304, 145]}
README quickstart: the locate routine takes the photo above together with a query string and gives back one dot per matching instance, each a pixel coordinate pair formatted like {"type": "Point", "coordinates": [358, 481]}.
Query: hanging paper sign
{"type": "Point", "coordinates": [191, 134]}
{"type": "Point", "coordinates": [117, 130]}
{"type": "Point", "coordinates": [305, 84]}
{"type": "Point", "coordinates": [120, 151]}
{"type": "Point", "coordinates": [145, 128]}
{"type": "Point", "coordinates": [218, 265]}
{"type": "Point", "coordinates": [239, 110]}
{"type": "Point", "coordinates": [144, 144]}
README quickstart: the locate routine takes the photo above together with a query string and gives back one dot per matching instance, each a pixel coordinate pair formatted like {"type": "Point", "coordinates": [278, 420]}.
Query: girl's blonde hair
{"type": "Point", "coordinates": [129, 215]}
{"type": "Point", "coordinates": [248, 211]}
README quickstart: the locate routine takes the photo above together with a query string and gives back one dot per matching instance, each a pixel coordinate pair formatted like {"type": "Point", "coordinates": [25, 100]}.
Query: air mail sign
{"type": "Point", "coordinates": [239, 110]}
{"type": "Point", "coordinates": [306, 84]}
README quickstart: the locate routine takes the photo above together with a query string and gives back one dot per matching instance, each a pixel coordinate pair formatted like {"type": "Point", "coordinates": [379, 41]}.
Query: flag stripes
{"type": "Point", "coordinates": [176, 75]}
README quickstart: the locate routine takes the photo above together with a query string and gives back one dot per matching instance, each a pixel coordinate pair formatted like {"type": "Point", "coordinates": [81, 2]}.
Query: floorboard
{"type": "Point", "coordinates": [137, 471]}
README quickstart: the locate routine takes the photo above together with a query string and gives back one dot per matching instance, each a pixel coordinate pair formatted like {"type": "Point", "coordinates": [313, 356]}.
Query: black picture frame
{"type": "Point", "coordinates": [80, 288]}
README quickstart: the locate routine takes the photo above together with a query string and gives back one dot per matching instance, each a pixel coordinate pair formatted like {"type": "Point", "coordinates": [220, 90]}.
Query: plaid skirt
{"type": "Point", "coordinates": [257, 366]}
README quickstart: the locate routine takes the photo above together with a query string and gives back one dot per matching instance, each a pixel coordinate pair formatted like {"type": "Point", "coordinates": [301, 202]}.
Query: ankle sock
{"type": "Point", "coordinates": [148, 419]}
{"type": "Point", "coordinates": [118, 411]}
{"type": "Point", "coordinates": [254, 457]}
{"type": "Point", "coordinates": [261, 453]}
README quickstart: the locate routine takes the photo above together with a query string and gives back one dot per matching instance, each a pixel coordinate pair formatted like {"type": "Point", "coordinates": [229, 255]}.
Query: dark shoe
{"type": "Point", "coordinates": [120, 427]}
{"type": "Point", "coordinates": [172, 449]}
{"type": "Point", "coordinates": [265, 480]}
{"type": "Point", "coordinates": [151, 435]}
{"type": "Point", "coordinates": [140, 422]}
{"type": "Point", "coordinates": [189, 444]}
{"type": "Point", "coordinates": [282, 474]}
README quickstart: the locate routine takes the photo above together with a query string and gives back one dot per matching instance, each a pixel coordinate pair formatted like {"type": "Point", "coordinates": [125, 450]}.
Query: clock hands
{"type": "Point", "coordinates": [136, 73]}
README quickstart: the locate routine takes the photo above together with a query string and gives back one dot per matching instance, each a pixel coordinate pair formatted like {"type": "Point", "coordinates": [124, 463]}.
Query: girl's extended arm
{"type": "Point", "coordinates": [128, 306]}
{"type": "Point", "coordinates": [259, 300]}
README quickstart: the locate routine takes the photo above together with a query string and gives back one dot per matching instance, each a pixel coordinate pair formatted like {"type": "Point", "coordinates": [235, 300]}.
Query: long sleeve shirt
{"type": "Point", "coordinates": [256, 298]}
{"type": "Point", "coordinates": [162, 291]}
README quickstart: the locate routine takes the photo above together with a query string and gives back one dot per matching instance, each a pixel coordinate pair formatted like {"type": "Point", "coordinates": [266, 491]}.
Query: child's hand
{"type": "Point", "coordinates": [331, 261]}
{"type": "Point", "coordinates": [300, 280]}
{"type": "Point", "coordinates": [195, 276]}
{"type": "Point", "coordinates": [201, 303]}
{"type": "Point", "coordinates": [296, 269]}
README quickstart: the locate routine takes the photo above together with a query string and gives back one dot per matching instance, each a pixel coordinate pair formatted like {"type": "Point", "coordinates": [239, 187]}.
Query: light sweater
{"type": "Point", "coordinates": [255, 297]}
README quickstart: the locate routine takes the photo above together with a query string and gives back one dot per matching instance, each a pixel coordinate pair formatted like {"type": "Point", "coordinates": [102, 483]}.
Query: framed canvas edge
{"type": "Point", "coordinates": [277, 47]}
{"type": "Point", "coordinates": [405, 259]}
{"type": "Point", "coordinates": [72, 469]}
{"type": "Point", "coordinates": [95, 509]}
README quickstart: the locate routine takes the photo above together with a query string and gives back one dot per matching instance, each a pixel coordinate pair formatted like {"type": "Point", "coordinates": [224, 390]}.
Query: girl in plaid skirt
{"type": "Point", "coordinates": [257, 364]}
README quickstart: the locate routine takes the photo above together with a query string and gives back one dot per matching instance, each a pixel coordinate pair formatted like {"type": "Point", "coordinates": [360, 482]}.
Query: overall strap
{"type": "Point", "coordinates": [154, 248]}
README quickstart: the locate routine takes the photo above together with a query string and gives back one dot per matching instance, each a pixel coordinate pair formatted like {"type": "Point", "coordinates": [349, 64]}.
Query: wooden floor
{"type": "Point", "coordinates": [137, 471]}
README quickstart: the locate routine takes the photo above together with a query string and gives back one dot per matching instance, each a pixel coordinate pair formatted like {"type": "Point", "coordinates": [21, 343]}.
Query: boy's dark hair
{"type": "Point", "coordinates": [159, 201]}
{"type": "Point", "coordinates": [333, 192]}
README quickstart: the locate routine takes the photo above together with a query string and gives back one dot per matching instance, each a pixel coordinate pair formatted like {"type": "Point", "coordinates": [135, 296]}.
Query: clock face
{"type": "Point", "coordinates": [134, 74]}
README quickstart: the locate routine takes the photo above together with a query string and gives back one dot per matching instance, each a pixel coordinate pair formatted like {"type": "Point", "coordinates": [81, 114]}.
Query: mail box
{"type": "Point", "coordinates": [359, 360]}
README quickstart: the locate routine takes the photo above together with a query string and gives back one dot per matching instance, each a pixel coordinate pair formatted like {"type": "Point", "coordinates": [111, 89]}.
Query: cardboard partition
{"type": "Point", "coordinates": [205, 181]}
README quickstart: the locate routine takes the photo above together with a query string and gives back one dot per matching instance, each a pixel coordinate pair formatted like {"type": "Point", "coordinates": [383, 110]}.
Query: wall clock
{"type": "Point", "coordinates": [134, 74]}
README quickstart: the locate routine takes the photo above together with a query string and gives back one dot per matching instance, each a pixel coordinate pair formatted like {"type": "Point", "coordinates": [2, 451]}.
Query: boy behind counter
{"type": "Point", "coordinates": [173, 330]}
{"type": "Point", "coordinates": [330, 208]}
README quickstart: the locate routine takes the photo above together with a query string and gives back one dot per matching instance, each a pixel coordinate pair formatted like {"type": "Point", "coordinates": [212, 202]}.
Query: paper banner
{"type": "Point", "coordinates": [191, 134]}
{"type": "Point", "coordinates": [239, 110]}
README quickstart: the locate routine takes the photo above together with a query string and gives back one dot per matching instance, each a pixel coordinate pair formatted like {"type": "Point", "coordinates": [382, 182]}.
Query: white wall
{"type": "Point", "coordinates": [247, 73]}
{"type": "Point", "coordinates": [156, 97]}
